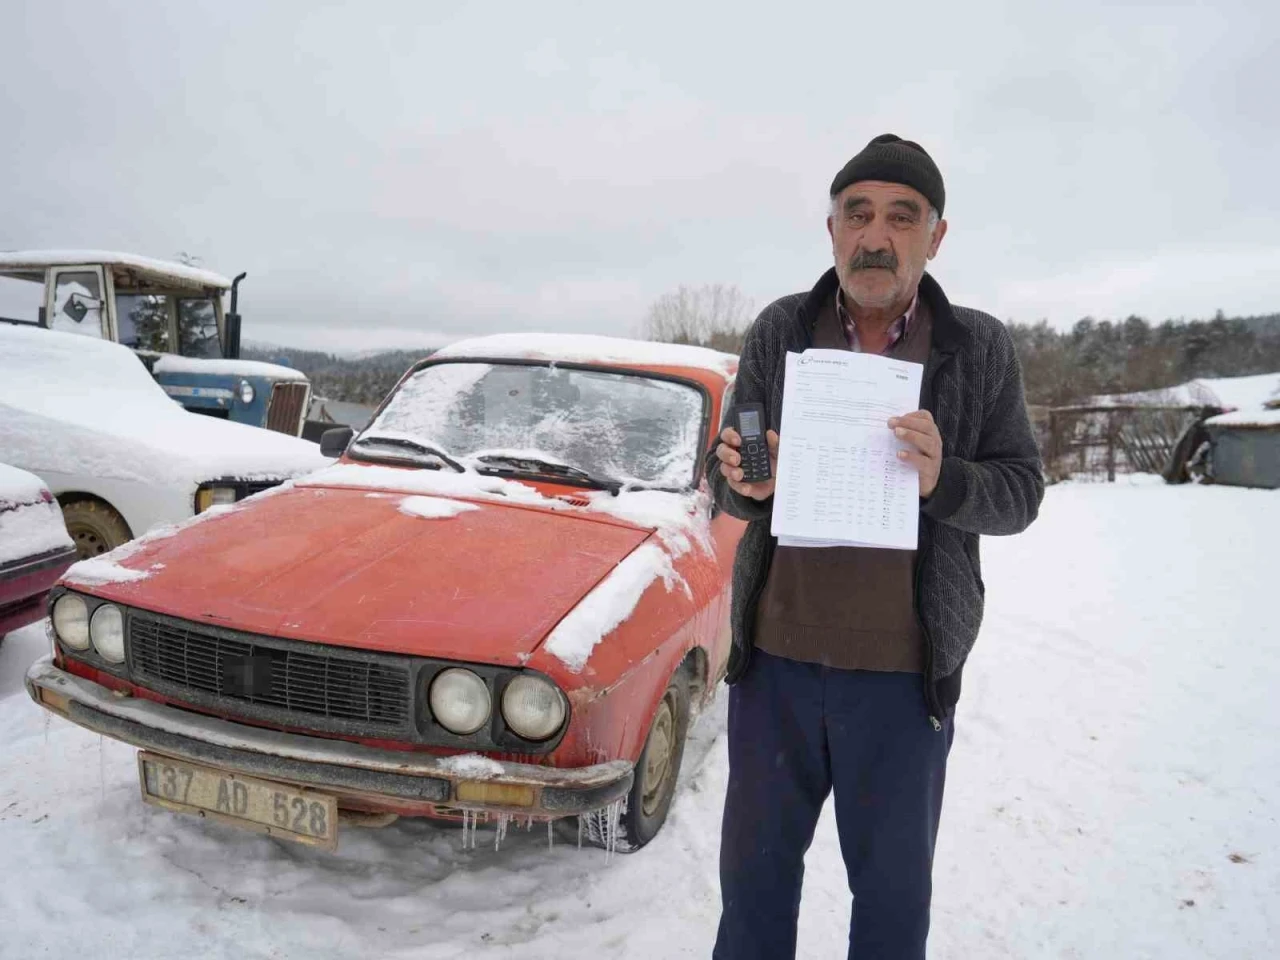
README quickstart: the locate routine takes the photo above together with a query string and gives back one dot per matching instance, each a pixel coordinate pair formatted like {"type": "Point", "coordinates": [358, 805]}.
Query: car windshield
{"type": "Point", "coordinates": [627, 428]}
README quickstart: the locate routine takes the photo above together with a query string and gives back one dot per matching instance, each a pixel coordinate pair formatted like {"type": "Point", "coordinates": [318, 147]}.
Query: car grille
{"type": "Point", "coordinates": [288, 403]}
{"type": "Point", "coordinates": [351, 690]}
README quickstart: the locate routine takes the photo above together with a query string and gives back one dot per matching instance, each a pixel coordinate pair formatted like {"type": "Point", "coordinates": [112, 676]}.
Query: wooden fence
{"type": "Point", "coordinates": [1099, 442]}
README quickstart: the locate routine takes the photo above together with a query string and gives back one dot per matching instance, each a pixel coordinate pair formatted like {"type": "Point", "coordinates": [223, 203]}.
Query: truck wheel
{"type": "Point", "coordinates": [94, 527]}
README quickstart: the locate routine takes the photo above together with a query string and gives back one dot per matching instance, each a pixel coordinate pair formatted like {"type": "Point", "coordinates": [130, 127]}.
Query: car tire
{"type": "Point", "coordinates": [657, 772]}
{"type": "Point", "coordinates": [94, 527]}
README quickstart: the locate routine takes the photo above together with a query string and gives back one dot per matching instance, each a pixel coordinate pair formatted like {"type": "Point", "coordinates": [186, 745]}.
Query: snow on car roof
{"type": "Point", "coordinates": [76, 404]}
{"type": "Point", "coordinates": [19, 486]}
{"type": "Point", "coordinates": [172, 363]}
{"type": "Point", "coordinates": [592, 348]}
{"type": "Point", "coordinates": [18, 259]}
{"type": "Point", "coordinates": [30, 525]}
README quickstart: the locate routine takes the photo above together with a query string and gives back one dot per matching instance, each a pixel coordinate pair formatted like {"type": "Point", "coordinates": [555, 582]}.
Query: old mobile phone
{"type": "Point", "coordinates": [748, 420]}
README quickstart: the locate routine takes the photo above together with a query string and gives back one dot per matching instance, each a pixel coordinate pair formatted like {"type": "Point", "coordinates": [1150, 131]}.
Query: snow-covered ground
{"type": "Point", "coordinates": [1113, 793]}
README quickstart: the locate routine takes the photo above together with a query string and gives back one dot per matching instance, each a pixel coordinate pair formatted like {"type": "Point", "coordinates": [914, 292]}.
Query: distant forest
{"type": "Point", "coordinates": [1099, 356]}
{"type": "Point", "coordinates": [365, 379]}
{"type": "Point", "coordinates": [1059, 367]}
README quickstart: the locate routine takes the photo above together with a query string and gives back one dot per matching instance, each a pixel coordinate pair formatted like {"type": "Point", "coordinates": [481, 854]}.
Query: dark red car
{"type": "Point", "coordinates": [35, 549]}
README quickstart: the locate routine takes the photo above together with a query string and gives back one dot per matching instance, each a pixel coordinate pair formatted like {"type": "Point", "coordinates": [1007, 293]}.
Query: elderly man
{"type": "Point", "coordinates": [846, 662]}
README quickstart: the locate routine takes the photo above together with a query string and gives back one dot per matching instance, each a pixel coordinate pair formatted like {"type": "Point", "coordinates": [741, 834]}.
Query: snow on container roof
{"type": "Point", "coordinates": [591, 348]}
{"type": "Point", "coordinates": [19, 259]}
{"type": "Point", "coordinates": [1231, 393]}
{"type": "Point", "coordinates": [1262, 419]}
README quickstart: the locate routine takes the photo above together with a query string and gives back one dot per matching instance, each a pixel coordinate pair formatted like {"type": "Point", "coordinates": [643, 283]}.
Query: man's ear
{"type": "Point", "coordinates": [939, 231]}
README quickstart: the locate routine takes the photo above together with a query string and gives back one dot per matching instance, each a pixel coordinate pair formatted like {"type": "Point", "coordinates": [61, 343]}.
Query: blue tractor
{"type": "Point", "coordinates": [171, 315]}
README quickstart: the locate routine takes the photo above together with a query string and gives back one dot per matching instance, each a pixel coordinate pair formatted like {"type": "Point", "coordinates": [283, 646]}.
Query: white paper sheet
{"type": "Point", "coordinates": [840, 482]}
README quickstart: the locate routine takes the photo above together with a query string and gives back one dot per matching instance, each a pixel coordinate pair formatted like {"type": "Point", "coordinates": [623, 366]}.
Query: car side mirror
{"type": "Point", "coordinates": [333, 443]}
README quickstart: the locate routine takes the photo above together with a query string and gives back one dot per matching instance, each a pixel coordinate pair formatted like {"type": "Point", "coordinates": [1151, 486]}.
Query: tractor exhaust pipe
{"type": "Point", "coordinates": [231, 349]}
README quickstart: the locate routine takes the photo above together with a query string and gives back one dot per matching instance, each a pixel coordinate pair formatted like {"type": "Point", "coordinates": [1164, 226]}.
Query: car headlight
{"type": "Point", "coordinates": [71, 621]}
{"type": "Point", "coordinates": [460, 701]}
{"type": "Point", "coordinates": [106, 629]}
{"type": "Point", "coordinates": [247, 392]}
{"type": "Point", "coordinates": [207, 497]}
{"type": "Point", "coordinates": [532, 707]}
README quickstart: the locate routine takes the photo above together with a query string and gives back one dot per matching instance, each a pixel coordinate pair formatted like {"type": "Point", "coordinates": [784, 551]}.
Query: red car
{"type": "Point", "coordinates": [505, 601]}
{"type": "Point", "coordinates": [35, 549]}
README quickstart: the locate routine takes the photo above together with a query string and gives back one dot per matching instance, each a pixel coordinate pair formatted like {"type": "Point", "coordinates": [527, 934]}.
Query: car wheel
{"type": "Point", "coordinates": [94, 527]}
{"type": "Point", "coordinates": [656, 773]}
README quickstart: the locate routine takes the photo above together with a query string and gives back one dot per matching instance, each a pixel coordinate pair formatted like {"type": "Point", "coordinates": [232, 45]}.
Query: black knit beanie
{"type": "Point", "coordinates": [894, 160]}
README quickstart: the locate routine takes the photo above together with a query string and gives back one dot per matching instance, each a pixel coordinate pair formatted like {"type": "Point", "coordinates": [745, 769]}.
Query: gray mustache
{"type": "Point", "coordinates": [871, 259]}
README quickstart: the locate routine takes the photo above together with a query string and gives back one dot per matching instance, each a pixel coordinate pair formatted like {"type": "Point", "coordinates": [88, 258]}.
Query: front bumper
{"type": "Point", "coordinates": [362, 777]}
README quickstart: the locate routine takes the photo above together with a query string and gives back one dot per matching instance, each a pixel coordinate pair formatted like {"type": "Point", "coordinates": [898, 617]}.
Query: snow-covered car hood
{"type": "Point", "coordinates": [476, 580]}
{"type": "Point", "coordinates": [30, 520]}
{"type": "Point", "coordinates": [171, 363]}
{"type": "Point", "coordinates": [71, 404]}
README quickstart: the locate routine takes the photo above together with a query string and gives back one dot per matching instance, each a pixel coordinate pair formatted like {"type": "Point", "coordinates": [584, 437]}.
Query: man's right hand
{"type": "Point", "coordinates": [730, 460]}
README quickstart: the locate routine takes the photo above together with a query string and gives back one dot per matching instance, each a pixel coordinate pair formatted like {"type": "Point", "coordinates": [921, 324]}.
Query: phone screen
{"type": "Point", "coordinates": [749, 421]}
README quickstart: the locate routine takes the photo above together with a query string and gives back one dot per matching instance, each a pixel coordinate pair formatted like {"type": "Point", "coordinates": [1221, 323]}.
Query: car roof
{"type": "Point", "coordinates": [146, 267]}
{"type": "Point", "coordinates": [647, 355]}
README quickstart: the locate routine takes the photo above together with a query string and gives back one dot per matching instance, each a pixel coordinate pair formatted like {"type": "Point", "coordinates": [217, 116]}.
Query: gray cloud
{"type": "Point", "coordinates": [391, 173]}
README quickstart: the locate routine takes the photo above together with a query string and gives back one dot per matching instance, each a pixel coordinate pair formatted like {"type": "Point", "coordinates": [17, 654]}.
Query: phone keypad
{"type": "Point", "coordinates": [755, 460]}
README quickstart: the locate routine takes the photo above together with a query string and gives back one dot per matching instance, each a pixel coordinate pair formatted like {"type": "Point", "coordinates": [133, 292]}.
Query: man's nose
{"type": "Point", "coordinates": [875, 238]}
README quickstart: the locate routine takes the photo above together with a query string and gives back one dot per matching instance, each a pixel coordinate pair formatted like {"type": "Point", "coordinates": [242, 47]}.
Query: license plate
{"type": "Point", "coordinates": [259, 805]}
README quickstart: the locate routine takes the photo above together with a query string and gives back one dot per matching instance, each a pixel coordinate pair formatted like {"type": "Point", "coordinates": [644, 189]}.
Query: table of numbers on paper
{"type": "Point", "coordinates": [840, 480]}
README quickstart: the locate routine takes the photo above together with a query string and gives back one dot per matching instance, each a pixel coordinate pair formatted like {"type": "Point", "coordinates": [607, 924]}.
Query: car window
{"type": "Point", "coordinates": [142, 320]}
{"type": "Point", "coordinates": [629, 428]}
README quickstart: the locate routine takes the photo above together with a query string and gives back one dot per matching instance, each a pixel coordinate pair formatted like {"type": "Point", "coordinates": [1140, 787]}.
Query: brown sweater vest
{"type": "Point", "coordinates": [846, 607]}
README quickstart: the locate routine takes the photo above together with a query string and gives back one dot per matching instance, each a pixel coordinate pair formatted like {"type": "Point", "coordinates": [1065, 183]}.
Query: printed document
{"type": "Point", "coordinates": [840, 482]}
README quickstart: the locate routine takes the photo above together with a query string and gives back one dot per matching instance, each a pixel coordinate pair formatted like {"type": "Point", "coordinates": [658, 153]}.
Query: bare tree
{"type": "Point", "coordinates": [714, 316]}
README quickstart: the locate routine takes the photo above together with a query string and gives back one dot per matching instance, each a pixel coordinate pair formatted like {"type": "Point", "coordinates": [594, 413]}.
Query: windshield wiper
{"type": "Point", "coordinates": [424, 448]}
{"type": "Point", "coordinates": [545, 467]}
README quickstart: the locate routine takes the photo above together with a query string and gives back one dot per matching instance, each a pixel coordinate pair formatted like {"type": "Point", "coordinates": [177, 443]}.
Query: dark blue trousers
{"type": "Point", "coordinates": [798, 731]}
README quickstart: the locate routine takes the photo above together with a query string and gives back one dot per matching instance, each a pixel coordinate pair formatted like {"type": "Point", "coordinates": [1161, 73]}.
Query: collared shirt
{"type": "Point", "coordinates": [897, 330]}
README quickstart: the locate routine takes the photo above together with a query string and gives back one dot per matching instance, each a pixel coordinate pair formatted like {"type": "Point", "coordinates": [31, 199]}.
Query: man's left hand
{"type": "Point", "coordinates": [919, 430]}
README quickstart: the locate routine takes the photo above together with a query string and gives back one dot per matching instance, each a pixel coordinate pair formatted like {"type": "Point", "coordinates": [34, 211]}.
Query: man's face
{"type": "Point", "coordinates": [882, 241]}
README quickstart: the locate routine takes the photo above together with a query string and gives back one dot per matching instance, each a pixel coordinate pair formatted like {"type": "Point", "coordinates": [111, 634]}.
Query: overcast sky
{"type": "Point", "coordinates": [393, 173]}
